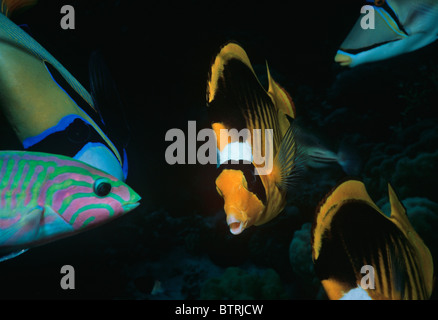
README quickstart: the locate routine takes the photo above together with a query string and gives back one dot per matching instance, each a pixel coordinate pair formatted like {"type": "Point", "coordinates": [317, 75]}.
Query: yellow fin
{"type": "Point", "coordinates": [10, 7]}
{"type": "Point", "coordinates": [362, 235]}
{"type": "Point", "coordinates": [280, 96]}
{"type": "Point", "coordinates": [288, 160]}
{"type": "Point", "coordinates": [400, 218]}
{"type": "Point", "coordinates": [398, 211]}
{"type": "Point", "coordinates": [346, 191]}
{"type": "Point", "coordinates": [229, 51]}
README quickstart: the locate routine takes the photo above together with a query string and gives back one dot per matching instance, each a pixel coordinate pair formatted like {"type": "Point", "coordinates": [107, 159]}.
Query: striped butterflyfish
{"type": "Point", "coordinates": [44, 197]}
{"type": "Point", "coordinates": [258, 162]}
{"type": "Point", "coordinates": [49, 110]}
{"type": "Point", "coordinates": [357, 248]}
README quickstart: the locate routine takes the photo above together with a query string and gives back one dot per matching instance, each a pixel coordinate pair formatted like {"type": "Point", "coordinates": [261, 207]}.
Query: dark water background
{"type": "Point", "coordinates": [160, 54]}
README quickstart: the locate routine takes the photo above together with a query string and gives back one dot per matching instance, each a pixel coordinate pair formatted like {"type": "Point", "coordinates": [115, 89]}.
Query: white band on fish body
{"type": "Point", "coordinates": [235, 151]}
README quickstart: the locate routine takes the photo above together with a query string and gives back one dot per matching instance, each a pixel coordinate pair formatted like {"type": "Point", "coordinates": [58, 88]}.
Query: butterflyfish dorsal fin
{"type": "Point", "coordinates": [228, 52]}
{"type": "Point", "coordinates": [397, 209]}
{"type": "Point", "coordinates": [349, 190]}
{"type": "Point", "coordinates": [281, 98]}
{"type": "Point", "coordinates": [237, 99]}
{"type": "Point", "coordinates": [400, 218]}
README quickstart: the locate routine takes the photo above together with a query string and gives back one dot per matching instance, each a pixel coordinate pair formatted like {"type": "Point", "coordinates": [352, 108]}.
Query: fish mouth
{"type": "Point", "coordinates": [343, 59]}
{"type": "Point", "coordinates": [236, 226]}
{"type": "Point", "coordinates": [130, 206]}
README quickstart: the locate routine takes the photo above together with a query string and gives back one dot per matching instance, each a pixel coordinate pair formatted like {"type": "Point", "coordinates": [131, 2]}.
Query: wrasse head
{"type": "Point", "coordinates": [85, 196]}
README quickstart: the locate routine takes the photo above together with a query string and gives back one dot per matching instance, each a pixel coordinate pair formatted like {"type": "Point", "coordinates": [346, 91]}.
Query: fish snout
{"type": "Point", "coordinates": [236, 226]}
{"type": "Point", "coordinates": [133, 203]}
{"type": "Point", "coordinates": [343, 59]}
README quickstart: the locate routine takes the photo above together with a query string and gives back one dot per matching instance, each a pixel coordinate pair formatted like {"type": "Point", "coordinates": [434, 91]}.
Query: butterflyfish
{"type": "Point", "coordinates": [255, 169]}
{"type": "Point", "coordinates": [360, 253]}
{"type": "Point", "coordinates": [389, 28]}
{"type": "Point", "coordinates": [49, 110]}
{"type": "Point", "coordinates": [45, 197]}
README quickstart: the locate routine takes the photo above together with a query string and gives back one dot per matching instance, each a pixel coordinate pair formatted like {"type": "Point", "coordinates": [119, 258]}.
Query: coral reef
{"type": "Point", "coordinates": [236, 283]}
{"type": "Point", "coordinates": [300, 257]}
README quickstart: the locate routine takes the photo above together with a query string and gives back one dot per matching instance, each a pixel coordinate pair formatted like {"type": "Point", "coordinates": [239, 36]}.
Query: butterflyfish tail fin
{"type": "Point", "coordinates": [10, 7]}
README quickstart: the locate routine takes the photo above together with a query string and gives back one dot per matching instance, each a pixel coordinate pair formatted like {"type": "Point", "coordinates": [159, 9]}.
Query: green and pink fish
{"type": "Point", "coordinates": [44, 197]}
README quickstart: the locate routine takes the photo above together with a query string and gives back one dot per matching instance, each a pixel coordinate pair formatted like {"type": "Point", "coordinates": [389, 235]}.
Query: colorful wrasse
{"type": "Point", "coordinates": [49, 110]}
{"type": "Point", "coordinates": [350, 232]}
{"type": "Point", "coordinates": [44, 197]}
{"type": "Point", "coordinates": [254, 191]}
{"type": "Point", "coordinates": [400, 26]}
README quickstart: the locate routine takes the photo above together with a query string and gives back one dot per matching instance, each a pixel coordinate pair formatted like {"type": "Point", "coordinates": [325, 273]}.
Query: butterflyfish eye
{"type": "Point", "coordinates": [379, 3]}
{"type": "Point", "coordinates": [102, 188]}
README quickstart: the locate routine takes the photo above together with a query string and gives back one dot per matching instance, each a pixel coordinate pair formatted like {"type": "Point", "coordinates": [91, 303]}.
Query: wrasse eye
{"type": "Point", "coordinates": [102, 187]}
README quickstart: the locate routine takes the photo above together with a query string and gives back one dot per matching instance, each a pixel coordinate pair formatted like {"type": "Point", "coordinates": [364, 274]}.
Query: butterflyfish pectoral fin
{"type": "Point", "coordinates": [288, 160]}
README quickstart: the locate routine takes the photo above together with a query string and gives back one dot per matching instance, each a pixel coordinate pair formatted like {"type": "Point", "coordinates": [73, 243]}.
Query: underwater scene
{"type": "Point", "coordinates": [218, 150]}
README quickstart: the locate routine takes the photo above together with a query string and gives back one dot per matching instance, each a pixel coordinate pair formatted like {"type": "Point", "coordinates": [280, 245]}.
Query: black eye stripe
{"type": "Point", "coordinates": [255, 184]}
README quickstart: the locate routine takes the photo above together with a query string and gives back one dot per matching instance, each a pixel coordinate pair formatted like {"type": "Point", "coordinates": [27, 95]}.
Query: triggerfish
{"type": "Point", "coordinates": [237, 100]}
{"type": "Point", "coordinates": [391, 28]}
{"type": "Point", "coordinates": [44, 197]}
{"type": "Point", "coordinates": [360, 252]}
{"type": "Point", "coordinates": [49, 110]}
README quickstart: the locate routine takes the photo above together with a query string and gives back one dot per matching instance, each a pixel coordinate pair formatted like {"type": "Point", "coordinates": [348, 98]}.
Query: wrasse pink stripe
{"type": "Point", "coordinates": [122, 191]}
{"type": "Point", "coordinates": [37, 171]}
{"type": "Point", "coordinates": [61, 194]}
{"type": "Point", "coordinates": [100, 214]}
{"type": "Point", "coordinates": [11, 179]}
{"type": "Point", "coordinates": [7, 222]}
{"type": "Point", "coordinates": [18, 189]}
{"type": "Point", "coordinates": [78, 203]}
{"type": "Point", "coordinates": [60, 179]}
{"type": "Point", "coordinates": [2, 174]}
{"type": "Point", "coordinates": [42, 194]}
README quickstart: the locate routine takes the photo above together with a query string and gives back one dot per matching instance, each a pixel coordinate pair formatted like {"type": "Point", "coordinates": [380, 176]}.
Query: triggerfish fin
{"type": "Point", "coordinates": [350, 232]}
{"type": "Point", "coordinates": [56, 114]}
{"type": "Point", "coordinates": [398, 27]}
